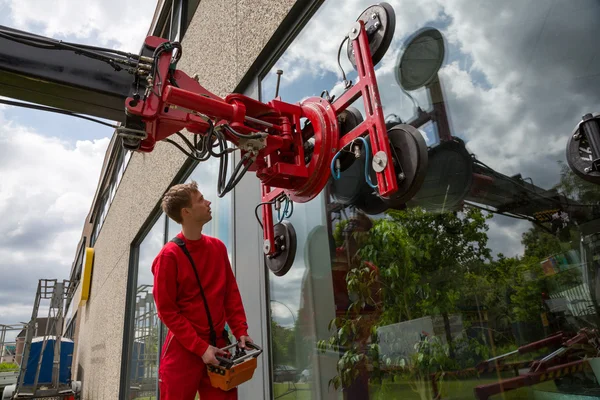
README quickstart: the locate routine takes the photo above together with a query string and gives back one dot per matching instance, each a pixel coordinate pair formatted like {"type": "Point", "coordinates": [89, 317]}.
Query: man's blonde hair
{"type": "Point", "coordinates": [178, 197]}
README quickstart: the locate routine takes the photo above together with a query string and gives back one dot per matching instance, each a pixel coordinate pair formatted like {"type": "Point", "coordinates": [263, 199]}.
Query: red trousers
{"type": "Point", "coordinates": [182, 374]}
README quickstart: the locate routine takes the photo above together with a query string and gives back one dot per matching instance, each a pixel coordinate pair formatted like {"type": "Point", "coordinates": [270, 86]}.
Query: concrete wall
{"type": "Point", "coordinates": [223, 40]}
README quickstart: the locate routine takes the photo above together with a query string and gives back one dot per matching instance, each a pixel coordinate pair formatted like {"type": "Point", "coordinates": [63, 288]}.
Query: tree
{"type": "Point", "coordinates": [450, 245]}
{"type": "Point", "coordinates": [540, 243]}
{"type": "Point", "coordinates": [576, 188]}
{"type": "Point", "coordinates": [410, 264]}
{"type": "Point", "coordinates": [284, 351]}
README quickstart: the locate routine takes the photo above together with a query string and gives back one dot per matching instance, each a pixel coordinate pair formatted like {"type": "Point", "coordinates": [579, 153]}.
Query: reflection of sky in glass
{"type": "Point", "coordinates": [514, 88]}
{"type": "Point", "coordinates": [149, 248]}
{"type": "Point", "coordinates": [205, 175]}
{"type": "Point", "coordinates": [304, 219]}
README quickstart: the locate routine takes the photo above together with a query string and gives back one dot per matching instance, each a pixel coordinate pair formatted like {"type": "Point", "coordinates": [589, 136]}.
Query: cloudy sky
{"type": "Point", "coordinates": [50, 164]}
{"type": "Point", "coordinates": [517, 77]}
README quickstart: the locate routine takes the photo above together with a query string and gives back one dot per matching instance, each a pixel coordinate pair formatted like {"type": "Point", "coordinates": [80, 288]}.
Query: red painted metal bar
{"type": "Point", "coordinates": [484, 392]}
{"type": "Point", "coordinates": [267, 211]}
{"type": "Point", "coordinates": [197, 102]}
{"type": "Point", "coordinates": [374, 122]}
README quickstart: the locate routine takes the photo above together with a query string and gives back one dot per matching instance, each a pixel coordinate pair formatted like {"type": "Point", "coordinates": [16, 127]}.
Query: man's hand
{"type": "Point", "coordinates": [243, 340]}
{"type": "Point", "coordinates": [209, 356]}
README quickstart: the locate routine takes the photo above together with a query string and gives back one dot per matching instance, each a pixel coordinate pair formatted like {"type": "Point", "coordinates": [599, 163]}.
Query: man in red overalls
{"type": "Point", "coordinates": [179, 291]}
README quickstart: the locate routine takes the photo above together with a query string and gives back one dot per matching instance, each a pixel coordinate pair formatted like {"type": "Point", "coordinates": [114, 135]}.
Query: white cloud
{"type": "Point", "coordinates": [46, 190]}
{"type": "Point", "coordinates": [47, 185]}
{"type": "Point", "coordinates": [120, 24]}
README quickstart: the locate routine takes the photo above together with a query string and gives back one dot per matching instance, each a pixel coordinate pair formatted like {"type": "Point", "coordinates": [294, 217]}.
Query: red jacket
{"type": "Point", "coordinates": [177, 295]}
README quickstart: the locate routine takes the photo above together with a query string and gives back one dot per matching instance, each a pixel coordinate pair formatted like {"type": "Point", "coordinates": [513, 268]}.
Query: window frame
{"type": "Point", "coordinates": [119, 161]}
{"type": "Point", "coordinates": [298, 16]}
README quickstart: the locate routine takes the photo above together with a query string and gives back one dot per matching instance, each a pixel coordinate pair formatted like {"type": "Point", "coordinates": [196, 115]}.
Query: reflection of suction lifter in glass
{"type": "Point", "coordinates": [236, 369]}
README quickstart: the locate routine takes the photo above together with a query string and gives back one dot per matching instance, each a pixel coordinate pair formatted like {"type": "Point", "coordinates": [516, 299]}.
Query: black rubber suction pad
{"type": "Point", "coordinates": [352, 189]}
{"type": "Point", "coordinates": [351, 184]}
{"type": "Point", "coordinates": [409, 153]}
{"type": "Point", "coordinates": [349, 119]}
{"type": "Point", "coordinates": [380, 23]}
{"type": "Point", "coordinates": [372, 204]}
{"type": "Point", "coordinates": [285, 247]}
{"type": "Point", "coordinates": [579, 153]}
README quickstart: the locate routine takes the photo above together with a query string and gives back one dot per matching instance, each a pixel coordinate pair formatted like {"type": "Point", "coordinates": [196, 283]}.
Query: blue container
{"type": "Point", "coordinates": [66, 357]}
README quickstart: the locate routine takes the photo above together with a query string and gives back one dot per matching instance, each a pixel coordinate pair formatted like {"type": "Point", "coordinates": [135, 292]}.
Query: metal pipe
{"type": "Point", "coordinates": [199, 103]}
{"type": "Point", "coordinates": [258, 121]}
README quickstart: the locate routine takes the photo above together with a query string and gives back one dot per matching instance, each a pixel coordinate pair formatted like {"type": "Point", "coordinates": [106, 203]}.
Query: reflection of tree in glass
{"type": "Point", "coordinates": [413, 264]}
{"type": "Point", "coordinates": [145, 345]}
{"type": "Point", "coordinates": [418, 261]}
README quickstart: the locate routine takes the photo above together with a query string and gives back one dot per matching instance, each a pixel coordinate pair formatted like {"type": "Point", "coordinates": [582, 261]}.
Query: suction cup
{"type": "Point", "coordinates": [371, 204]}
{"type": "Point", "coordinates": [352, 189]}
{"type": "Point", "coordinates": [380, 23]}
{"type": "Point", "coordinates": [285, 244]}
{"type": "Point", "coordinates": [409, 152]}
{"type": "Point", "coordinates": [448, 179]}
{"type": "Point", "coordinates": [579, 153]}
{"type": "Point", "coordinates": [422, 59]}
{"type": "Point", "coordinates": [349, 119]}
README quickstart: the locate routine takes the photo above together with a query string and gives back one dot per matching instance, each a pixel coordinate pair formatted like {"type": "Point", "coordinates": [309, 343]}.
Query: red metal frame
{"type": "Point", "coordinates": [374, 123]}
{"type": "Point", "coordinates": [553, 366]}
{"type": "Point", "coordinates": [280, 165]}
{"type": "Point", "coordinates": [484, 392]}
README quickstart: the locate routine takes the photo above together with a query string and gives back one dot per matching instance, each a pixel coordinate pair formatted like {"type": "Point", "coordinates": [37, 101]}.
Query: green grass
{"type": "Point", "coordinates": [302, 391]}
{"type": "Point", "coordinates": [453, 390]}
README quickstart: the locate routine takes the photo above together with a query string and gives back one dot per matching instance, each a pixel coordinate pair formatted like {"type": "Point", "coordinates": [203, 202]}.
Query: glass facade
{"type": "Point", "coordinates": [146, 325]}
{"type": "Point", "coordinates": [147, 331]}
{"type": "Point", "coordinates": [485, 284]}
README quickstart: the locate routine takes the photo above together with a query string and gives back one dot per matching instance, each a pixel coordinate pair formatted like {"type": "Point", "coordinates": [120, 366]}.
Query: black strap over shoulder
{"type": "Point", "coordinates": [213, 334]}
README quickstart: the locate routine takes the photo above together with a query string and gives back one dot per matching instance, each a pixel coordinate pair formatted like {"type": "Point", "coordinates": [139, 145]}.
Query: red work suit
{"type": "Point", "coordinates": [180, 307]}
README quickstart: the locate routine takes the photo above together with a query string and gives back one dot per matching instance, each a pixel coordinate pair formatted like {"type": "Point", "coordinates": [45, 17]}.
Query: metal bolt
{"type": "Point", "coordinates": [401, 176]}
{"type": "Point", "coordinates": [282, 237]}
{"type": "Point", "coordinates": [588, 170]}
{"type": "Point", "coordinates": [197, 77]}
{"type": "Point", "coordinates": [282, 247]}
{"type": "Point", "coordinates": [374, 15]}
{"type": "Point", "coordinates": [377, 25]}
{"type": "Point", "coordinates": [354, 31]}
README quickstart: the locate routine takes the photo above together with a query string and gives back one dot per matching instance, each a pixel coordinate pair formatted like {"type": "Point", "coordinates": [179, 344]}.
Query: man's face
{"type": "Point", "coordinates": [198, 213]}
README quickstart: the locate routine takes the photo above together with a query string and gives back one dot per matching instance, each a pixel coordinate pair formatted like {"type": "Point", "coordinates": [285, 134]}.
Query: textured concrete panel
{"type": "Point", "coordinates": [100, 340]}
{"type": "Point", "coordinates": [256, 22]}
{"type": "Point", "coordinates": [210, 46]}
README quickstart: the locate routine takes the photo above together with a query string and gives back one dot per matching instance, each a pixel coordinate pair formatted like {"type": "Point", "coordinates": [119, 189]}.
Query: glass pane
{"type": "Point", "coordinates": [144, 353]}
{"type": "Point", "coordinates": [482, 284]}
{"type": "Point", "coordinates": [173, 229]}
{"type": "Point", "coordinates": [221, 225]}
{"type": "Point", "coordinates": [176, 21]}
